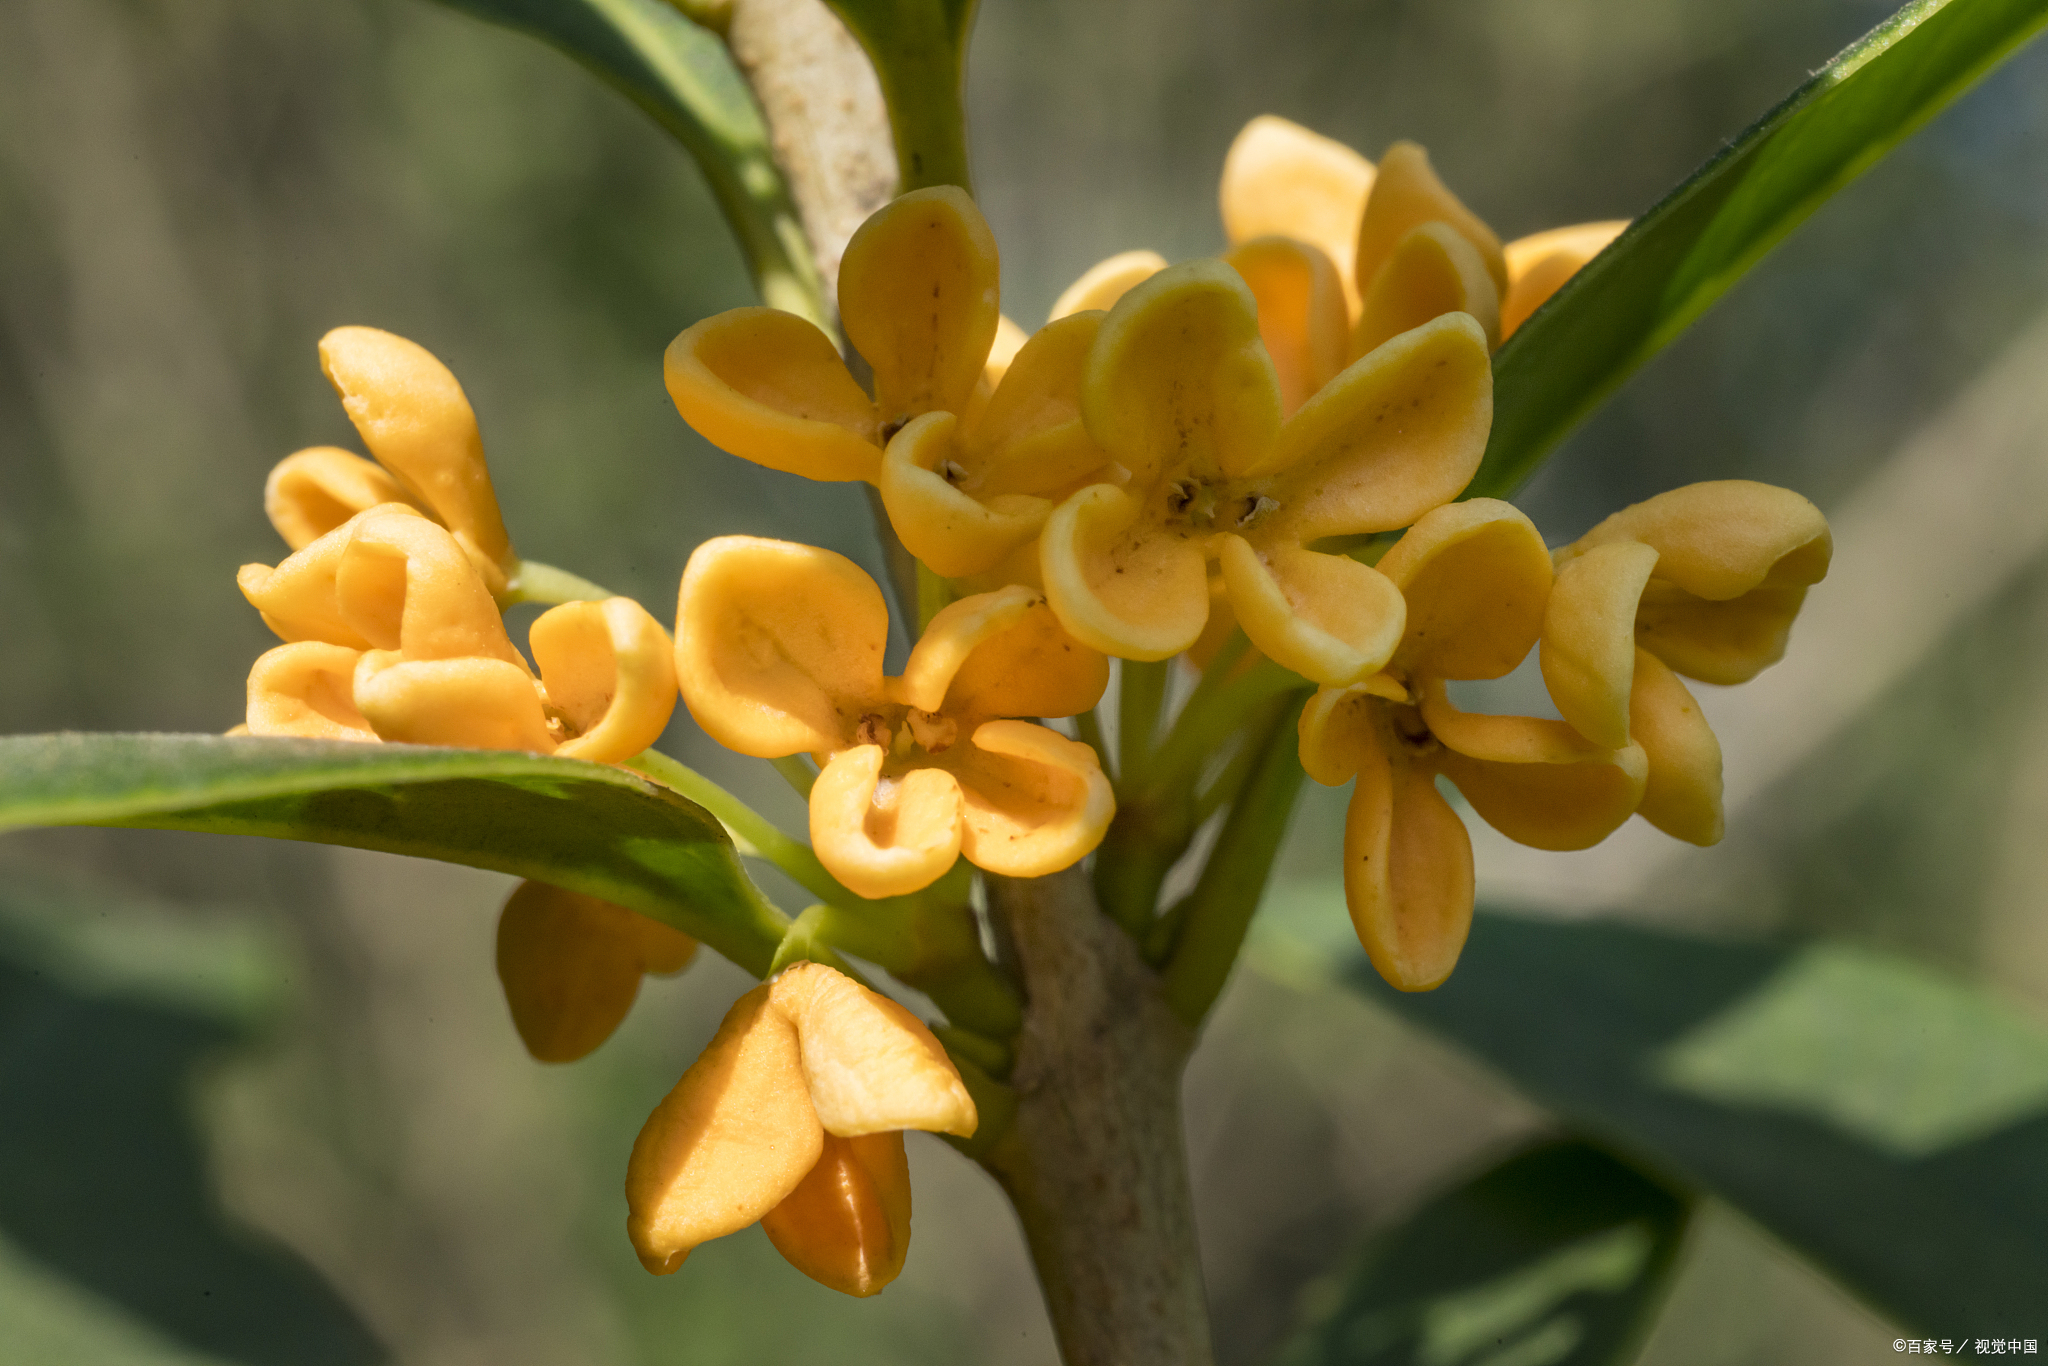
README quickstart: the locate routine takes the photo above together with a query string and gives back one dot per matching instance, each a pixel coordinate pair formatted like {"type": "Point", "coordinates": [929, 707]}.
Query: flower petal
{"type": "Point", "coordinates": [1119, 581]}
{"type": "Point", "coordinates": [306, 689]}
{"type": "Point", "coordinates": [918, 297]}
{"type": "Point", "coordinates": [949, 638]}
{"type": "Point", "coordinates": [610, 674]}
{"type": "Point", "coordinates": [1683, 795]}
{"type": "Point", "coordinates": [1034, 801]}
{"type": "Point", "coordinates": [778, 646]}
{"type": "Point", "coordinates": [1031, 667]}
{"type": "Point", "coordinates": [1179, 378]}
{"type": "Point", "coordinates": [1337, 728]}
{"type": "Point", "coordinates": [1010, 339]}
{"type": "Point", "coordinates": [311, 492]}
{"type": "Point", "coordinates": [415, 419]}
{"type": "Point", "coordinates": [847, 1224]}
{"type": "Point", "coordinates": [769, 387]}
{"type": "Point", "coordinates": [1589, 638]}
{"type": "Point", "coordinates": [1430, 272]}
{"type": "Point", "coordinates": [1405, 195]}
{"type": "Point", "coordinates": [728, 1144]}
{"type": "Point", "coordinates": [884, 836]}
{"type": "Point", "coordinates": [1476, 577]}
{"type": "Point", "coordinates": [1399, 432]}
{"type": "Point", "coordinates": [1329, 618]}
{"type": "Point", "coordinates": [1303, 319]}
{"type": "Point", "coordinates": [1539, 265]}
{"type": "Point", "coordinates": [297, 599]}
{"type": "Point", "coordinates": [570, 965]}
{"type": "Point", "coordinates": [871, 1065]}
{"type": "Point", "coordinates": [406, 584]}
{"type": "Point", "coordinates": [1030, 438]}
{"type": "Point", "coordinates": [1407, 868]}
{"type": "Point", "coordinates": [1537, 781]}
{"type": "Point", "coordinates": [1280, 178]}
{"type": "Point", "coordinates": [954, 532]}
{"type": "Point", "coordinates": [470, 703]}
{"type": "Point", "coordinates": [1103, 283]}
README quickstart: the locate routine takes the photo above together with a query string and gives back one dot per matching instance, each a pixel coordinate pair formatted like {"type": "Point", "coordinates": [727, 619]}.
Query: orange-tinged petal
{"type": "Point", "coordinates": [1119, 581]}
{"type": "Point", "coordinates": [958, 629]}
{"type": "Point", "coordinates": [1405, 195]}
{"type": "Point", "coordinates": [884, 836]}
{"type": "Point", "coordinates": [416, 420]}
{"type": "Point", "coordinates": [1280, 178]}
{"type": "Point", "coordinates": [1431, 271]}
{"type": "Point", "coordinates": [769, 387]}
{"type": "Point", "coordinates": [305, 689]}
{"type": "Point", "coordinates": [1330, 619]}
{"type": "Point", "coordinates": [406, 584]}
{"type": "Point", "coordinates": [1537, 781]}
{"type": "Point", "coordinates": [1179, 378]}
{"type": "Point", "coordinates": [918, 297]}
{"type": "Point", "coordinates": [1589, 638]}
{"type": "Point", "coordinates": [311, 492]}
{"type": "Point", "coordinates": [1031, 667]}
{"type": "Point", "coordinates": [1476, 577]}
{"type": "Point", "coordinates": [1407, 868]}
{"type": "Point", "coordinates": [1539, 265]}
{"type": "Point", "coordinates": [470, 702]}
{"type": "Point", "coordinates": [610, 675]}
{"type": "Point", "coordinates": [1103, 283]}
{"type": "Point", "coordinates": [953, 531]}
{"type": "Point", "coordinates": [728, 1144]}
{"type": "Point", "coordinates": [872, 1066]}
{"type": "Point", "coordinates": [570, 965]}
{"type": "Point", "coordinates": [297, 598]}
{"type": "Point", "coordinates": [778, 646]}
{"type": "Point", "coordinates": [1337, 728]}
{"type": "Point", "coordinates": [1302, 314]}
{"type": "Point", "coordinates": [1399, 432]}
{"type": "Point", "coordinates": [1030, 438]}
{"type": "Point", "coordinates": [1035, 801]}
{"type": "Point", "coordinates": [1010, 339]}
{"type": "Point", "coordinates": [1683, 794]}
{"type": "Point", "coordinates": [847, 1224]}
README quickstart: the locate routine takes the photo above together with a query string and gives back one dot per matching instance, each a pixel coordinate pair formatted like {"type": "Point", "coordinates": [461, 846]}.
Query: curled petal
{"type": "Point", "coordinates": [1179, 378]}
{"type": "Point", "coordinates": [1397, 433]}
{"type": "Point", "coordinates": [778, 646]}
{"type": "Point", "coordinates": [406, 584]}
{"type": "Point", "coordinates": [471, 703]}
{"type": "Point", "coordinates": [1035, 801]}
{"type": "Point", "coordinates": [1103, 283]}
{"type": "Point", "coordinates": [1119, 581]}
{"type": "Point", "coordinates": [610, 676]}
{"type": "Point", "coordinates": [1030, 438]}
{"type": "Point", "coordinates": [1302, 314]}
{"type": "Point", "coordinates": [1407, 868]}
{"type": "Point", "coordinates": [1589, 638]}
{"type": "Point", "coordinates": [1405, 195]}
{"type": "Point", "coordinates": [571, 964]}
{"type": "Point", "coordinates": [884, 836]}
{"type": "Point", "coordinates": [1330, 619]}
{"type": "Point", "coordinates": [1539, 265]}
{"type": "Point", "coordinates": [1683, 794]}
{"type": "Point", "coordinates": [953, 531]}
{"type": "Point", "coordinates": [872, 1066]}
{"type": "Point", "coordinates": [416, 420]}
{"type": "Point", "coordinates": [1431, 271]}
{"type": "Point", "coordinates": [1476, 577]}
{"type": "Point", "coordinates": [950, 637]}
{"type": "Point", "coordinates": [769, 387]}
{"type": "Point", "coordinates": [1280, 178]}
{"type": "Point", "coordinates": [847, 1224]}
{"type": "Point", "coordinates": [728, 1144]}
{"type": "Point", "coordinates": [1537, 781]}
{"type": "Point", "coordinates": [1031, 667]}
{"type": "Point", "coordinates": [1010, 339]}
{"type": "Point", "coordinates": [311, 492]}
{"type": "Point", "coordinates": [918, 296]}
{"type": "Point", "coordinates": [297, 599]}
{"type": "Point", "coordinates": [305, 689]}
{"type": "Point", "coordinates": [1338, 731]}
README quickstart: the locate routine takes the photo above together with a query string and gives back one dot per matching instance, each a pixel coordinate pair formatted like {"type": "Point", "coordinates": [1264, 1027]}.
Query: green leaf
{"type": "Point", "coordinates": [682, 75]}
{"type": "Point", "coordinates": [587, 827]}
{"type": "Point", "coordinates": [919, 51]}
{"type": "Point", "coordinates": [1557, 1257]}
{"type": "Point", "coordinates": [1887, 1122]}
{"type": "Point", "coordinates": [1677, 259]}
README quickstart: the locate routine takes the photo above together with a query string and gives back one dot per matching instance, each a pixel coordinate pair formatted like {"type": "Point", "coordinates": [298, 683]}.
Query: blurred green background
{"type": "Point", "coordinates": [261, 1103]}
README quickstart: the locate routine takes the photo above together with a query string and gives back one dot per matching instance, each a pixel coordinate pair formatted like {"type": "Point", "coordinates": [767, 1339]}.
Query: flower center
{"type": "Point", "coordinates": [1216, 505]}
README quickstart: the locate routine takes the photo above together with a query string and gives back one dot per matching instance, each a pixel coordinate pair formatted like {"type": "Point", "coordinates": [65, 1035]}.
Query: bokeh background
{"type": "Point", "coordinates": [260, 1103]}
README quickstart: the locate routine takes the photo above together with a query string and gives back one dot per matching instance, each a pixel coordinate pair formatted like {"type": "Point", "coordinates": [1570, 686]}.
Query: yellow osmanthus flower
{"type": "Point", "coordinates": [1181, 392]}
{"type": "Point", "coordinates": [571, 965]}
{"type": "Point", "coordinates": [779, 652]}
{"type": "Point", "coordinates": [793, 1117]}
{"type": "Point", "coordinates": [972, 464]}
{"type": "Point", "coordinates": [1702, 581]}
{"type": "Point", "coordinates": [1477, 579]}
{"type": "Point", "coordinates": [394, 635]}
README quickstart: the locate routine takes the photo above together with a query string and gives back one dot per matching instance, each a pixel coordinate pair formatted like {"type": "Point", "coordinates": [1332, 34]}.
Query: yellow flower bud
{"type": "Point", "coordinates": [571, 965]}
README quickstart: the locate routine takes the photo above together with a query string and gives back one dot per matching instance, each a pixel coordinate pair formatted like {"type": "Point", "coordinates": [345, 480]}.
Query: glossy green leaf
{"type": "Point", "coordinates": [919, 51]}
{"type": "Point", "coordinates": [682, 75]}
{"type": "Point", "coordinates": [587, 827]}
{"type": "Point", "coordinates": [1677, 259]}
{"type": "Point", "coordinates": [1559, 1255]}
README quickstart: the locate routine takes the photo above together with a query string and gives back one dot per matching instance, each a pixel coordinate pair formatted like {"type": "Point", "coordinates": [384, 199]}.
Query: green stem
{"type": "Point", "coordinates": [755, 834]}
{"type": "Point", "coordinates": [1211, 716]}
{"type": "Point", "coordinates": [1088, 725]}
{"type": "Point", "coordinates": [1141, 690]}
{"type": "Point", "coordinates": [796, 773]}
{"type": "Point", "coordinates": [532, 581]}
{"type": "Point", "coordinates": [919, 50]}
